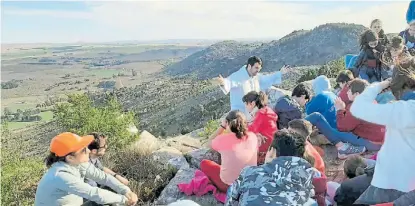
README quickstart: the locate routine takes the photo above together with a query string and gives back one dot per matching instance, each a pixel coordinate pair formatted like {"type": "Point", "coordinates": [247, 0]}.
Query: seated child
{"type": "Point", "coordinates": [304, 128]}
{"type": "Point", "coordinates": [323, 102]}
{"type": "Point", "coordinates": [360, 175]}
{"type": "Point", "coordinates": [238, 149]}
{"type": "Point", "coordinates": [409, 37]}
{"type": "Point", "coordinates": [289, 108]}
{"type": "Point", "coordinates": [343, 80]}
{"type": "Point", "coordinates": [368, 64]}
{"type": "Point", "coordinates": [371, 135]}
{"type": "Point", "coordinates": [264, 123]}
{"type": "Point", "coordinates": [285, 178]}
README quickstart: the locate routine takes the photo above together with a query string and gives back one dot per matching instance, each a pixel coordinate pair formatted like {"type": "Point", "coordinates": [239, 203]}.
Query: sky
{"type": "Point", "coordinates": [107, 21]}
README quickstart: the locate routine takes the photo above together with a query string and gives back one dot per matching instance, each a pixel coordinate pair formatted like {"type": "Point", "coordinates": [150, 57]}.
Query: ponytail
{"type": "Point", "coordinates": [237, 123]}
{"type": "Point", "coordinates": [52, 158]}
{"type": "Point", "coordinates": [260, 99]}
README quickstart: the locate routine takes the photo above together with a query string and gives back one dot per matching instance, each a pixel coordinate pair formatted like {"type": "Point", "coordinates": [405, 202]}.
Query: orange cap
{"type": "Point", "coordinates": [68, 142]}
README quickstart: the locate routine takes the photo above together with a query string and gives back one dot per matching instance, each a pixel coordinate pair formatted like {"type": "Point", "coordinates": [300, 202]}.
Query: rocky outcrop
{"type": "Point", "coordinates": [171, 192]}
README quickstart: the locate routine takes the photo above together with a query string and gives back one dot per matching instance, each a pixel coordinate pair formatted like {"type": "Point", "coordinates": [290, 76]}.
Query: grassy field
{"type": "Point", "coordinates": [46, 116]}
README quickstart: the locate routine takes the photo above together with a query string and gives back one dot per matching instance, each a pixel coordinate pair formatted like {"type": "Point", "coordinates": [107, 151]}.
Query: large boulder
{"type": "Point", "coordinates": [170, 156]}
{"type": "Point", "coordinates": [183, 143]}
{"type": "Point", "coordinates": [171, 192]}
{"type": "Point", "coordinates": [275, 93]}
{"type": "Point", "coordinates": [147, 143]}
{"type": "Point", "coordinates": [196, 156]}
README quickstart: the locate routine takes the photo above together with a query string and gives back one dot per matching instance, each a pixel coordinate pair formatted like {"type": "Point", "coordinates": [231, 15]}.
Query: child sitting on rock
{"type": "Point", "coordinates": [368, 66]}
{"type": "Point", "coordinates": [238, 149]}
{"type": "Point", "coordinates": [370, 135]}
{"type": "Point", "coordinates": [323, 101]}
{"type": "Point", "coordinates": [289, 108]}
{"type": "Point", "coordinates": [285, 178]}
{"type": "Point", "coordinates": [264, 123]}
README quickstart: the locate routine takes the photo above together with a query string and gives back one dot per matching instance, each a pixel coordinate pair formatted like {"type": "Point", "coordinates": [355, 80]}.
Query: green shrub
{"type": "Point", "coordinates": [331, 70]}
{"type": "Point", "coordinates": [209, 129]}
{"type": "Point", "coordinates": [81, 116]}
{"type": "Point", "coordinates": [19, 178]}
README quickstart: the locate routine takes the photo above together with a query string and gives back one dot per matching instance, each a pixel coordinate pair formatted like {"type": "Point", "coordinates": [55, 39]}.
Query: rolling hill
{"type": "Point", "coordinates": [299, 48]}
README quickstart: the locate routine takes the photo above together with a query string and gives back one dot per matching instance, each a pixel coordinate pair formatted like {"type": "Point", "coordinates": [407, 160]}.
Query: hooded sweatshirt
{"type": "Point", "coordinates": [264, 123]}
{"type": "Point", "coordinates": [287, 109]}
{"type": "Point", "coordinates": [63, 184]}
{"type": "Point", "coordinates": [323, 102]}
{"type": "Point", "coordinates": [410, 13]}
{"type": "Point", "coordinates": [283, 181]}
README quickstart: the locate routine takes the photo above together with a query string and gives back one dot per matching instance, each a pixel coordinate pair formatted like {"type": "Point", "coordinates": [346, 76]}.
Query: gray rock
{"type": "Point", "coordinates": [183, 143]}
{"type": "Point", "coordinates": [171, 156]}
{"type": "Point", "coordinates": [196, 156]}
{"type": "Point", "coordinates": [171, 192]}
{"type": "Point", "coordinates": [147, 143]}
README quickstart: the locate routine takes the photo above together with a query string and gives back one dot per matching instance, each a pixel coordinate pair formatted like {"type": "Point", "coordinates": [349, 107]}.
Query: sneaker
{"type": "Point", "coordinates": [347, 150]}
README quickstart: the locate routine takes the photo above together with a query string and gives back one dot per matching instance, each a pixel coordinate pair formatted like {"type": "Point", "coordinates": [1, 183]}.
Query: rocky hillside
{"type": "Point", "coordinates": [218, 58]}
{"type": "Point", "coordinates": [314, 47]}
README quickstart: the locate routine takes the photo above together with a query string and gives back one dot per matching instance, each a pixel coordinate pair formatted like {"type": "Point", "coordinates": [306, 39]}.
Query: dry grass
{"type": "Point", "coordinates": [147, 177]}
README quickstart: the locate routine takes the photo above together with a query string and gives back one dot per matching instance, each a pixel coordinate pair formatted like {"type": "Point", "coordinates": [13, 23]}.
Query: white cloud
{"type": "Point", "coordinates": [144, 20]}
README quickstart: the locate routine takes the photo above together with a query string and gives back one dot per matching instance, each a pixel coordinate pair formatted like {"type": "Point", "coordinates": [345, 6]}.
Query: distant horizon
{"type": "Point", "coordinates": [112, 21]}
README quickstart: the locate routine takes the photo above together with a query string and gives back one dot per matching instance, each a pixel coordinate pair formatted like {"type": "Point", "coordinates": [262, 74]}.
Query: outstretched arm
{"type": "Point", "coordinates": [266, 81]}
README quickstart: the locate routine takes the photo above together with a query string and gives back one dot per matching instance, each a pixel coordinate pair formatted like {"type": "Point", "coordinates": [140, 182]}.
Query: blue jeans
{"type": "Point", "coordinates": [335, 136]}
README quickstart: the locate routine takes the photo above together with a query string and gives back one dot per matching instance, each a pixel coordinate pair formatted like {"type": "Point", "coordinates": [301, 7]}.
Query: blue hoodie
{"type": "Point", "coordinates": [323, 102]}
{"type": "Point", "coordinates": [410, 13]}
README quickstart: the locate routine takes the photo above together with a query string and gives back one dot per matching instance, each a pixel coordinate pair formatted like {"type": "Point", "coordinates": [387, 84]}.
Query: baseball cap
{"type": "Point", "coordinates": [68, 142]}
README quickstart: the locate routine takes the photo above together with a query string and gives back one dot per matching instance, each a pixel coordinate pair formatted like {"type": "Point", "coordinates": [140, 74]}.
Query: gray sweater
{"type": "Point", "coordinates": [64, 185]}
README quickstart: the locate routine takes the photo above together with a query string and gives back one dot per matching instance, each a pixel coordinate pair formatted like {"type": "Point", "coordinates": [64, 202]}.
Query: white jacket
{"type": "Point", "coordinates": [395, 164]}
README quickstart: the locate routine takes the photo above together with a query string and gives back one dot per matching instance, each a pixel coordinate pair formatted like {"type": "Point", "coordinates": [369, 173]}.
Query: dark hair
{"type": "Point", "coordinates": [354, 166]}
{"type": "Point", "coordinates": [52, 158]}
{"type": "Point", "coordinates": [260, 99]}
{"type": "Point", "coordinates": [301, 89]}
{"type": "Point", "coordinates": [403, 78]}
{"type": "Point", "coordinates": [301, 126]}
{"type": "Point", "coordinates": [397, 42]}
{"type": "Point", "coordinates": [96, 144]}
{"type": "Point", "coordinates": [254, 59]}
{"type": "Point", "coordinates": [367, 37]}
{"type": "Point", "coordinates": [288, 143]}
{"type": "Point", "coordinates": [345, 76]}
{"type": "Point", "coordinates": [358, 85]}
{"type": "Point", "coordinates": [237, 123]}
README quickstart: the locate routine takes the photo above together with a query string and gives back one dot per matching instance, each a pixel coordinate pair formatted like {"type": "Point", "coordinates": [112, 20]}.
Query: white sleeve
{"type": "Point", "coordinates": [399, 114]}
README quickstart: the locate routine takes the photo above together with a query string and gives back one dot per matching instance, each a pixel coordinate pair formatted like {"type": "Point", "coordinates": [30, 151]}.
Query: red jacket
{"type": "Point", "coordinates": [343, 94]}
{"type": "Point", "coordinates": [346, 122]}
{"type": "Point", "coordinates": [265, 123]}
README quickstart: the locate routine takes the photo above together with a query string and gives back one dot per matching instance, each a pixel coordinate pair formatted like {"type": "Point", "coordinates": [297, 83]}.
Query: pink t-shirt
{"type": "Point", "coordinates": [235, 154]}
